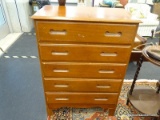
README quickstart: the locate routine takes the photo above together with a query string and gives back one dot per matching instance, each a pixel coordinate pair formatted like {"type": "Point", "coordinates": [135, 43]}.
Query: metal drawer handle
{"type": "Point", "coordinates": [64, 71]}
{"type": "Point", "coordinates": [108, 54]}
{"type": "Point", "coordinates": [63, 99]}
{"type": "Point", "coordinates": [61, 86]}
{"type": "Point", "coordinates": [103, 86]}
{"type": "Point", "coordinates": [100, 99]}
{"type": "Point", "coordinates": [106, 71]}
{"type": "Point", "coordinates": [58, 32]}
{"type": "Point", "coordinates": [110, 34]}
{"type": "Point", "coordinates": [60, 53]}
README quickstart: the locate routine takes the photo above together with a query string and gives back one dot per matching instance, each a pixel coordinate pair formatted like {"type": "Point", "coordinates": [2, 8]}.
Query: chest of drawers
{"type": "Point", "coordinates": [84, 53]}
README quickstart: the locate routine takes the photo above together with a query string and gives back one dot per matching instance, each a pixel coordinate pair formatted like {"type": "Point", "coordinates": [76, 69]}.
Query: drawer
{"type": "Point", "coordinates": [83, 85]}
{"type": "Point", "coordinates": [87, 98]}
{"type": "Point", "coordinates": [85, 32]}
{"type": "Point", "coordinates": [80, 52]}
{"type": "Point", "coordinates": [83, 70]}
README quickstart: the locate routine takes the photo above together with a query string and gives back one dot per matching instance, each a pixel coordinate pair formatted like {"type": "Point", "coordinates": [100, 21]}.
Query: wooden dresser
{"type": "Point", "coordinates": [84, 53]}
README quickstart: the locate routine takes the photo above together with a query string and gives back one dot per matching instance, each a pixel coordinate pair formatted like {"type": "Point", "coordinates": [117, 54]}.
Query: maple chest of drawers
{"type": "Point", "coordinates": [84, 53]}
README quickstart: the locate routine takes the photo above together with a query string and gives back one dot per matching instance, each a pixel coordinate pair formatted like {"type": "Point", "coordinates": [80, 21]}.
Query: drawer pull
{"type": "Point", "coordinates": [108, 54]}
{"type": "Point", "coordinates": [100, 99]}
{"type": "Point", "coordinates": [61, 86]}
{"type": "Point", "coordinates": [106, 71]}
{"type": "Point", "coordinates": [59, 53]}
{"type": "Point", "coordinates": [109, 34]}
{"type": "Point", "coordinates": [63, 99]}
{"type": "Point", "coordinates": [102, 86]}
{"type": "Point", "coordinates": [61, 71]}
{"type": "Point", "coordinates": [58, 32]}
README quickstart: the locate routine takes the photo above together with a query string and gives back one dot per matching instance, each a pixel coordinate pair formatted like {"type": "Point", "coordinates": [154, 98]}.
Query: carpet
{"type": "Point", "coordinates": [122, 109]}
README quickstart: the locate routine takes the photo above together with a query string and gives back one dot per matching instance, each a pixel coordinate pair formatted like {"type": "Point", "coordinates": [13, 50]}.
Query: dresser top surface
{"type": "Point", "coordinates": [82, 13]}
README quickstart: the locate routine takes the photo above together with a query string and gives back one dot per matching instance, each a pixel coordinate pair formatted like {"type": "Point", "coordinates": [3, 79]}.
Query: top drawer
{"type": "Point", "coordinates": [85, 32]}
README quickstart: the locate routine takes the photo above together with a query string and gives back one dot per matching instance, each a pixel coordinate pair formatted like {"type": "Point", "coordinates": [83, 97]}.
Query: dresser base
{"type": "Point", "coordinates": [108, 107]}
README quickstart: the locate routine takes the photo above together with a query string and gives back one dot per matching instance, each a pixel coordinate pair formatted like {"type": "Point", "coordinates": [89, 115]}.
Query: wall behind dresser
{"type": "Point", "coordinates": [19, 12]}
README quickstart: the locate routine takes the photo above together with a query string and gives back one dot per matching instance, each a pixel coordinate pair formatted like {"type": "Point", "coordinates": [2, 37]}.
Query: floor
{"type": "Point", "coordinates": [6, 42]}
{"type": "Point", "coordinates": [21, 91]}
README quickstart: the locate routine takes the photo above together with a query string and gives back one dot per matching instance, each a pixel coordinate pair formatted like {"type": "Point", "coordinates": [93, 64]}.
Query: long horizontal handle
{"type": "Point", "coordinates": [106, 71]}
{"type": "Point", "coordinates": [61, 70]}
{"type": "Point", "coordinates": [111, 34]}
{"type": "Point", "coordinates": [108, 54]}
{"type": "Point", "coordinates": [103, 86]}
{"type": "Point", "coordinates": [58, 32]}
{"type": "Point", "coordinates": [63, 99]}
{"type": "Point", "coordinates": [60, 53]}
{"type": "Point", "coordinates": [100, 99]}
{"type": "Point", "coordinates": [61, 86]}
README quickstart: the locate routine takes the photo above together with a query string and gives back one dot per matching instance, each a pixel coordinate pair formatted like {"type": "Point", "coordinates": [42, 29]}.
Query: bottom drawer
{"type": "Point", "coordinates": [87, 98]}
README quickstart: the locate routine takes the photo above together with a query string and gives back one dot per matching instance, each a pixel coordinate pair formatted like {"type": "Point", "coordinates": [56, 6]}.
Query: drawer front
{"type": "Point", "coordinates": [83, 85]}
{"type": "Point", "coordinates": [91, 53]}
{"type": "Point", "coordinates": [87, 98]}
{"type": "Point", "coordinates": [83, 70]}
{"type": "Point", "coordinates": [85, 32]}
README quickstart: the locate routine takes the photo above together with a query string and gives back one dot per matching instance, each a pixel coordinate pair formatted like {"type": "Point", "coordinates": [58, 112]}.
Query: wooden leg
{"type": "Point", "coordinates": [111, 112]}
{"type": "Point", "coordinates": [158, 87]}
{"type": "Point", "coordinates": [158, 114]}
{"type": "Point", "coordinates": [136, 74]}
{"type": "Point", "coordinates": [152, 33]}
{"type": "Point", "coordinates": [154, 118]}
{"type": "Point", "coordinates": [48, 118]}
{"type": "Point", "coordinates": [92, 3]}
{"type": "Point", "coordinates": [49, 112]}
{"type": "Point", "coordinates": [127, 103]}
